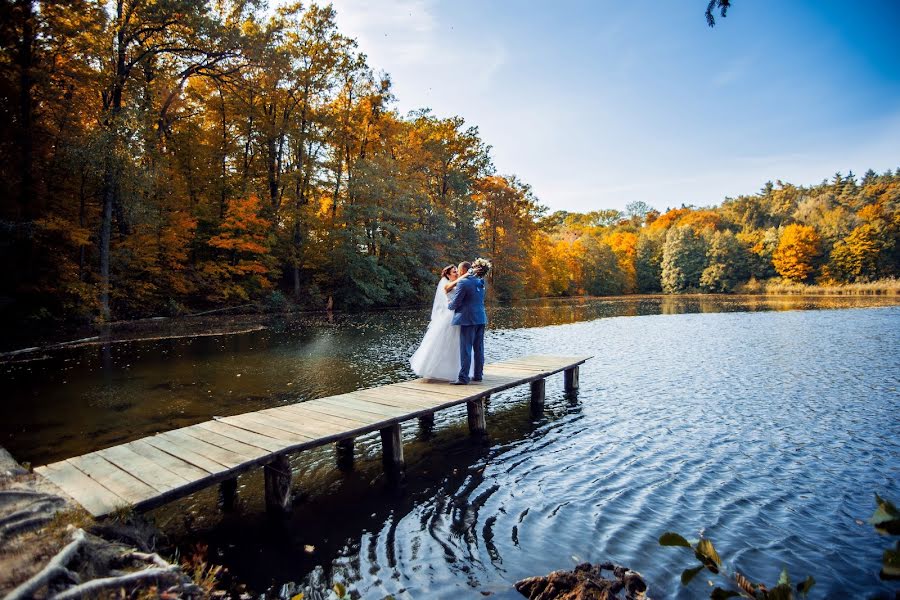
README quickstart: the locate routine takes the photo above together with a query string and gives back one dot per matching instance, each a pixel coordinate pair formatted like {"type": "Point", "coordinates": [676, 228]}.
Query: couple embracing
{"type": "Point", "coordinates": [456, 330]}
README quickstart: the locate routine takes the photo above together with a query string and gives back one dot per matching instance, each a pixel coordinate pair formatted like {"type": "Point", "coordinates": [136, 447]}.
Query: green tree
{"type": "Point", "coordinates": [683, 261]}
{"type": "Point", "coordinates": [648, 261]}
{"type": "Point", "coordinates": [726, 263]}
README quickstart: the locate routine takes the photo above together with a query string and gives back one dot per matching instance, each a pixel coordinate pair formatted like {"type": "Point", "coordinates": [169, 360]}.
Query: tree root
{"type": "Point", "coordinates": [91, 588]}
{"type": "Point", "coordinates": [54, 568]}
{"type": "Point", "coordinates": [37, 512]}
{"type": "Point", "coordinates": [23, 523]}
{"type": "Point", "coordinates": [152, 558]}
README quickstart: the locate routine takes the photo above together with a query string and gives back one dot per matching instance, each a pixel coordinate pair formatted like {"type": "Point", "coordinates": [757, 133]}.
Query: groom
{"type": "Point", "coordinates": [468, 305]}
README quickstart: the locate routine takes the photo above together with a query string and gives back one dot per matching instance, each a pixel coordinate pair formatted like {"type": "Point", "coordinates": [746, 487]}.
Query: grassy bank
{"type": "Point", "coordinates": [882, 287]}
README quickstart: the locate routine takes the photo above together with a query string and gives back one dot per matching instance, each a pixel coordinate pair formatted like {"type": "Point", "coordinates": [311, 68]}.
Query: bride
{"type": "Point", "coordinates": [438, 354]}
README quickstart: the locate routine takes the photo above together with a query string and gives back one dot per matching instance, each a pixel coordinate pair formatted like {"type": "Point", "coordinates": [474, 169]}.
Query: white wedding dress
{"type": "Point", "coordinates": [438, 354]}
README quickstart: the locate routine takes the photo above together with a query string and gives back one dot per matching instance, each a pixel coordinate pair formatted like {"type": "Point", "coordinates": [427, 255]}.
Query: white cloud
{"type": "Point", "coordinates": [431, 63]}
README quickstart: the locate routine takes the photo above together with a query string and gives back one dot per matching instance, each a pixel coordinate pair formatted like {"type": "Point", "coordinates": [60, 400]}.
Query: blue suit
{"type": "Point", "coordinates": [468, 305]}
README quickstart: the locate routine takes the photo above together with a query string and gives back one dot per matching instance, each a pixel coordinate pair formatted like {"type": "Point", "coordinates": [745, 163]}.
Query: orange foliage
{"type": "Point", "coordinates": [669, 218]}
{"type": "Point", "coordinates": [797, 249]}
{"type": "Point", "coordinates": [624, 244]}
{"type": "Point", "coordinates": [245, 235]}
{"type": "Point", "coordinates": [700, 220]}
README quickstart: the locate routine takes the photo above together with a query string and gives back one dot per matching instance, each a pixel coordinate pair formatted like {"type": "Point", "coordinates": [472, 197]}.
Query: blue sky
{"type": "Point", "coordinates": [600, 103]}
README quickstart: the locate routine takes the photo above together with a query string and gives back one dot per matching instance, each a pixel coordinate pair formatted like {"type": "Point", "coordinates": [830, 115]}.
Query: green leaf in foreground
{"type": "Point", "coordinates": [784, 579]}
{"type": "Point", "coordinates": [671, 538]}
{"type": "Point", "coordinates": [688, 574]}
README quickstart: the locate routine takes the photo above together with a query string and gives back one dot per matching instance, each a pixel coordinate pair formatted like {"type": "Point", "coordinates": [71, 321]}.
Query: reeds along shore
{"type": "Point", "coordinates": [883, 287]}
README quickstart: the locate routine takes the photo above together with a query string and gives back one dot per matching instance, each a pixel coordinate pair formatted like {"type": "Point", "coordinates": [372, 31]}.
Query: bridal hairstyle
{"type": "Point", "coordinates": [445, 272]}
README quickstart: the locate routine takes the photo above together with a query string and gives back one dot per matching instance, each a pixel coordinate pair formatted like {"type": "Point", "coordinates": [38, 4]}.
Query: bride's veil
{"type": "Point", "coordinates": [440, 300]}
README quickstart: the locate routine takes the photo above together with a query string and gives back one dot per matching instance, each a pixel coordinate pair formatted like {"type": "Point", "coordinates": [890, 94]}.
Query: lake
{"type": "Point", "coordinates": [766, 423]}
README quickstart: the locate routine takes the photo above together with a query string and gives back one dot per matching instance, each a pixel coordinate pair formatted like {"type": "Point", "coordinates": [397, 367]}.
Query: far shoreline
{"type": "Point", "coordinates": [252, 318]}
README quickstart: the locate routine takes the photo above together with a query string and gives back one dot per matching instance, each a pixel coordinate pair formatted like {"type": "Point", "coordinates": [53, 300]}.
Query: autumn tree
{"type": "Point", "coordinates": [797, 251]}
{"type": "Point", "coordinates": [244, 245]}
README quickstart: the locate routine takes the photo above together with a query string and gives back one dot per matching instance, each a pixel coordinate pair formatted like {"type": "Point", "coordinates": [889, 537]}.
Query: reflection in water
{"type": "Point", "coordinates": [771, 431]}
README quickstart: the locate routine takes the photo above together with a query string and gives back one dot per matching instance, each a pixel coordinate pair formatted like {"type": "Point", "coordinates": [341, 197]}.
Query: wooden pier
{"type": "Point", "coordinates": [157, 469]}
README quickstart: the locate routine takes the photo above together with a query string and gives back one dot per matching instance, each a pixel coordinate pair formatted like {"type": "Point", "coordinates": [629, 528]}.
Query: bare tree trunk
{"type": "Point", "coordinates": [26, 111]}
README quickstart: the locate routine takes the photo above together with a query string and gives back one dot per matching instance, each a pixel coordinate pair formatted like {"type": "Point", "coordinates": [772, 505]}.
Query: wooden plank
{"type": "Point", "coordinates": [292, 429]}
{"type": "Point", "coordinates": [364, 418]}
{"type": "Point", "coordinates": [350, 401]}
{"type": "Point", "coordinates": [335, 414]}
{"type": "Point", "coordinates": [262, 425]}
{"type": "Point", "coordinates": [396, 400]}
{"type": "Point", "coordinates": [457, 392]}
{"type": "Point", "coordinates": [174, 464]}
{"type": "Point", "coordinates": [403, 392]}
{"type": "Point", "coordinates": [121, 483]}
{"type": "Point", "coordinates": [229, 458]}
{"type": "Point", "coordinates": [140, 467]}
{"type": "Point", "coordinates": [539, 362]}
{"type": "Point", "coordinates": [95, 498]}
{"type": "Point", "coordinates": [305, 425]}
{"type": "Point", "coordinates": [186, 453]}
{"type": "Point", "coordinates": [317, 414]}
{"type": "Point", "coordinates": [242, 435]}
{"type": "Point", "coordinates": [514, 370]}
{"type": "Point", "coordinates": [216, 439]}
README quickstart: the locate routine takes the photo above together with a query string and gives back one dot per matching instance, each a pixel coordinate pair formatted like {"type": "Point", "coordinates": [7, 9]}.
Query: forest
{"type": "Point", "coordinates": [171, 156]}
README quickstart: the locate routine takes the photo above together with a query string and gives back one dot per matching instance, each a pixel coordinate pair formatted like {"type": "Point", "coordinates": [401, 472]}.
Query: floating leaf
{"type": "Point", "coordinates": [886, 518]}
{"type": "Point", "coordinates": [671, 538]}
{"type": "Point", "coordinates": [689, 574]}
{"type": "Point", "coordinates": [804, 586]}
{"type": "Point", "coordinates": [720, 594]}
{"type": "Point", "coordinates": [297, 596]}
{"type": "Point", "coordinates": [890, 563]}
{"type": "Point", "coordinates": [340, 590]}
{"type": "Point", "coordinates": [780, 592]}
{"type": "Point", "coordinates": [706, 553]}
{"type": "Point", "coordinates": [745, 584]}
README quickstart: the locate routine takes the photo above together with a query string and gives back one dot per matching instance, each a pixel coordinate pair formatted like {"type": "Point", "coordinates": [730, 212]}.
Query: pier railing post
{"type": "Point", "coordinates": [571, 379]}
{"type": "Point", "coordinates": [343, 450]}
{"type": "Point", "coordinates": [475, 409]}
{"type": "Point", "coordinates": [278, 485]}
{"type": "Point", "coordinates": [392, 448]}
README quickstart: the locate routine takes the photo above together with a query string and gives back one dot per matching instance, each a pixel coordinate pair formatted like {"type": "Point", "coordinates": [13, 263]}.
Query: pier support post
{"type": "Point", "coordinates": [538, 388]}
{"type": "Point", "coordinates": [343, 450]}
{"type": "Point", "coordinates": [228, 493]}
{"type": "Point", "coordinates": [426, 425]}
{"type": "Point", "coordinates": [571, 379]}
{"type": "Point", "coordinates": [278, 485]}
{"type": "Point", "coordinates": [475, 409]}
{"type": "Point", "coordinates": [392, 449]}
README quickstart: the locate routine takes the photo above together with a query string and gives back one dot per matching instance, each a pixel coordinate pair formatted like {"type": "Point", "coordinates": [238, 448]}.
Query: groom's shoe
{"type": "Point", "coordinates": [476, 379]}
{"type": "Point", "coordinates": [459, 382]}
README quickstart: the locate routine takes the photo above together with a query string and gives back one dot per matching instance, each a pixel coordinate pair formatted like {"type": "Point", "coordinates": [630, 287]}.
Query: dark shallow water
{"type": "Point", "coordinates": [769, 431]}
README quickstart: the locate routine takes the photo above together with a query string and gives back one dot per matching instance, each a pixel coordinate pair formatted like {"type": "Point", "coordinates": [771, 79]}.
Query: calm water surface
{"type": "Point", "coordinates": [766, 424]}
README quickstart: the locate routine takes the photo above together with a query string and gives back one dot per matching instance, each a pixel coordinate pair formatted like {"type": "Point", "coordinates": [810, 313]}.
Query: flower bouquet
{"type": "Point", "coordinates": [481, 266]}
